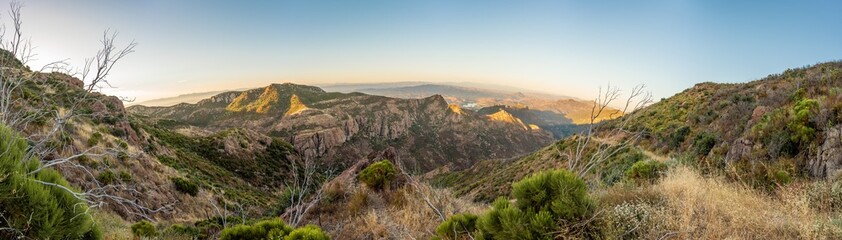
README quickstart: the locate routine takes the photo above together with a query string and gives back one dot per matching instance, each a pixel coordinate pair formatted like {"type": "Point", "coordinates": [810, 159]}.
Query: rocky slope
{"type": "Point", "coordinates": [136, 160]}
{"type": "Point", "coordinates": [340, 128]}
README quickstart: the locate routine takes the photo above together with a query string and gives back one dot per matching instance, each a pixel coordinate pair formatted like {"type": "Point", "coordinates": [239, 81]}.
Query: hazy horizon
{"type": "Point", "coordinates": [567, 48]}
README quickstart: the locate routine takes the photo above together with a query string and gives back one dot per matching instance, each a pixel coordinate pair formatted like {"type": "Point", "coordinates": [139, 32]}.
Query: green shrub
{"type": "Point", "coordinates": [803, 130]}
{"type": "Point", "coordinates": [144, 229]}
{"type": "Point", "coordinates": [106, 177]}
{"type": "Point", "coordinates": [179, 229]}
{"type": "Point", "coordinates": [378, 175]}
{"type": "Point", "coordinates": [782, 177]}
{"type": "Point", "coordinates": [773, 131]}
{"type": "Point", "coordinates": [645, 170]}
{"type": "Point", "coordinates": [284, 200]}
{"type": "Point", "coordinates": [123, 144]}
{"type": "Point", "coordinates": [94, 139]}
{"type": "Point", "coordinates": [125, 176]}
{"type": "Point", "coordinates": [458, 226]}
{"type": "Point", "coordinates": [36, 209]}
{"type": "Point", "coordinates": [560, 192]}
{"type": "Point", "coordinates": [676, 138]}
{"type": "Point", "coordinates": [548, 204]}
{"type": "Point", "coordinates": [123, 156]}
{"type": "Point", "coordinates": [185, 186]}
{"type": "Point", "coordinates": [267, 229]}
{"type": "Point", "coordinates": [309, 232]}
{"type": "Point", "coordinates": [242, 232]}
{"type": "Point", "coordinates": [117, 132]}
{"type": "Point", "coordinates": [704, 143]}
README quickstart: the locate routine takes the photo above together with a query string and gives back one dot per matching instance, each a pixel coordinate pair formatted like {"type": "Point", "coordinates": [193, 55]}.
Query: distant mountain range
{"type": "Point", "coordinates": [342, 127]}
{"type": "Point", "coordinates": [556, 113]}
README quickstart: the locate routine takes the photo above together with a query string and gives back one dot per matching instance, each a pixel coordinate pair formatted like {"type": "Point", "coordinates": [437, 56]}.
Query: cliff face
{"type": "Point", "coordinates": [342, 128]}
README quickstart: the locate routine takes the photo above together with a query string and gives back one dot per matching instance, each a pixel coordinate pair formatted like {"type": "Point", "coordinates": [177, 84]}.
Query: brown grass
{"type": "Point", "coordinates": [358, 201]}
{"type": "Point", "coordinates": [398, 214]}
{"type": "Point", "coordinates": [686, 205]}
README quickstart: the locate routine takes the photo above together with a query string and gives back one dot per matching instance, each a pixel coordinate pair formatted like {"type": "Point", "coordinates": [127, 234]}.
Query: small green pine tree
{"type": "Point", "coordinates": [560, 192]}
{"type": "Point", "coordinates": [38, 205]}
{"type": "Point", "coordinates": [546, 204]}
{"type": "Point", "coordinates": [459, 226]}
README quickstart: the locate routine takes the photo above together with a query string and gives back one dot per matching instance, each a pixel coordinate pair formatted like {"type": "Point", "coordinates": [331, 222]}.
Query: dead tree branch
{"type": "Point", "coordinates": [598, 145]}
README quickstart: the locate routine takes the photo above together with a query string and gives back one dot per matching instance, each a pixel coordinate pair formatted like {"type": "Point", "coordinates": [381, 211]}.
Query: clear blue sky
{"type": "Point", "coordinates": [563, 47]}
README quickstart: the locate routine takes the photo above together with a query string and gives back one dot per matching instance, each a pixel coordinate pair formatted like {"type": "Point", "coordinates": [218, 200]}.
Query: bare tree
{"type": "Point", "coordinates": [303, 181]}
{"type": "Point", "coordinates": [19, 46]}
{"type": "Point", "coordinates": [597, 145]}
{"type": "Point", "coordinates": [105, 59]}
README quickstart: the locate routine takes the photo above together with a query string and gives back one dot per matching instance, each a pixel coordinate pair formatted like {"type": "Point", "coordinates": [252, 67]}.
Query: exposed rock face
{"type": "Point", "coordinates": [758, 113]}
{"type": "Point", "coordinates": [341, 128]}
{"type": "Point", "coordinates": [317, 143]}
{"type": "Point", "coordinates": [740, 150]}
{"type": "Point", "coordinates": [67, 79]}
{"type": "Point", "coordinates": [828, 162]}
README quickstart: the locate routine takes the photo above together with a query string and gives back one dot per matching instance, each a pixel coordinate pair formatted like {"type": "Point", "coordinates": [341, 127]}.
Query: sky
{"type": "Point", "coordinates": [563, 47]}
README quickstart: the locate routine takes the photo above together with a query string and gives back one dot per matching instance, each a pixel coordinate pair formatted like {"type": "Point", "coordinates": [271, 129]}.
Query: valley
{"type": "Point", "coordinates": [328, 120]}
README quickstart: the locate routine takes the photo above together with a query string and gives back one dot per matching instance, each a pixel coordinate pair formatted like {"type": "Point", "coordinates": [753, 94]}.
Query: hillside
{"type": "Point", "coordinates": [715, 161]}
{"type": "Point", "coordinates": [239, 149]}
{"type": "Point", "coordinates": [122, 157]}
{"type": "Point", "coordinates": [763, 133]}
{"type": "Point", "coordinates": [339, 127]}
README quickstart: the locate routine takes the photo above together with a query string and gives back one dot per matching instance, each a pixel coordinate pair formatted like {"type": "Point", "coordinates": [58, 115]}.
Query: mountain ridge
{"type": "Point", "coordinates": [334, 120]}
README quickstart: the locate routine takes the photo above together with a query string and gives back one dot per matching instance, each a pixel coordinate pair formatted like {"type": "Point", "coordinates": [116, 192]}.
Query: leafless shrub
{"type": "Point", "coordinates": [597, 144]}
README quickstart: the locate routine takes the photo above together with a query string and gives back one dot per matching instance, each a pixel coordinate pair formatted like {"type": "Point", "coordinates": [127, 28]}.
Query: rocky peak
{"type": "Point", "coordinates": [291, 88]}
{"type": "Point", "coordinates": [226, 97]}
{"type": "Point", "coordinates": [271, 98]}
{"type": "Point", "coordinates": [506, 117]}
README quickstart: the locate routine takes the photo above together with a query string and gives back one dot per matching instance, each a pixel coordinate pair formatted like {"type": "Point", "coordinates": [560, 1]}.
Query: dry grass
{"type": "Point", "coordinates": [707, 208]}
{"type": "Point", "coordinates": [686, 205]}
{"type": "Point", "coordinates": [112, 225]}
{"type": "Point", "coordinates": [358, 202]}
{"type": "Point", "coordinates": [399, 214]}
